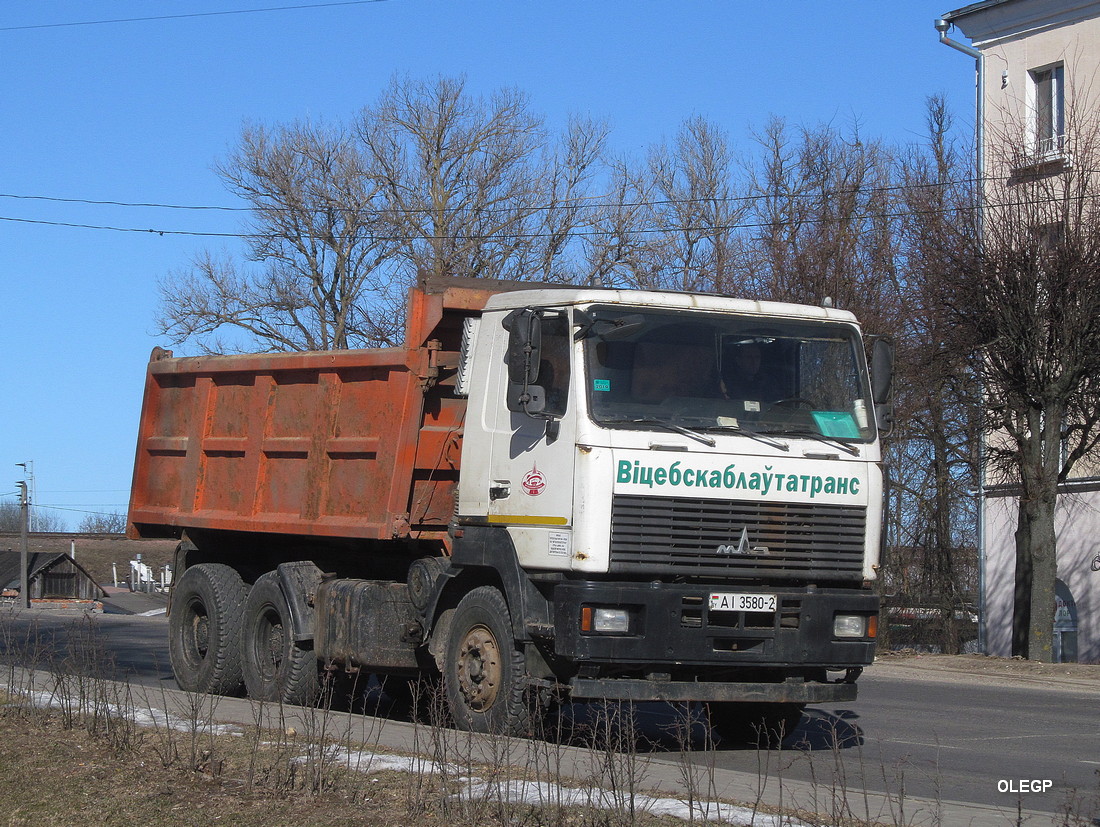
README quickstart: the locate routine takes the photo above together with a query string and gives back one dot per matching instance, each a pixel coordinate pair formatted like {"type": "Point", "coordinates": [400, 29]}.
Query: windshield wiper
{"type": "Point", "coordinates": [660, 423]}
{"type": "Point", "coordinates": [759, 437]}
{"type": "Point", "coordinates": [854, 451]}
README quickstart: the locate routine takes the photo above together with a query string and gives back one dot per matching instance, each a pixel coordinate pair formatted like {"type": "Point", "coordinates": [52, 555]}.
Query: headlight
{"type": "Point", "coordinates": [604, 620]}
{"type": "Point", "coordinates": [849, 626]}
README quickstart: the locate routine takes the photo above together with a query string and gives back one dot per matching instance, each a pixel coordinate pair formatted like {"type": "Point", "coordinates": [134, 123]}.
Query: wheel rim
{"type": "Point", "coordinates": [479, 668]}
{"type": "Point", "coordinates": [270, 642]}
{"type": "Point", "coordinates": [198, 633]}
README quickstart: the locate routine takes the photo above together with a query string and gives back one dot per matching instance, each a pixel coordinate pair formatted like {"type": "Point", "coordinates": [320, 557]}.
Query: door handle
{"type": "Point", "coordinates": [500, 489]}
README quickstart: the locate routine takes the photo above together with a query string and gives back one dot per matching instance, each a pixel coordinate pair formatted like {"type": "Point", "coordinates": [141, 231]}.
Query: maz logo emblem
{"type": "Point", "coordinates": [742, 546]}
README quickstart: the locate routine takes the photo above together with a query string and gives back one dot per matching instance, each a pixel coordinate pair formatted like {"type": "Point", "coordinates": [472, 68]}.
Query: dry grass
{"type": "Point", "coordinates": [55, 773]}
{"type": "Point", "coordinates": [50, 774]}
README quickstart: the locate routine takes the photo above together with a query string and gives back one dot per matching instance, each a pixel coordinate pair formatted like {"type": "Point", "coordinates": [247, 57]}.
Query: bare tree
{"type": "Point", "coordinates": [822, 220]}
{"type": "Point", "coordinates": [105, 523]}
{"type": "Point", "coordinates": [564, 226]}
{"type": "Point", "coordinates": [431, 180]}
{"type": "Point", "coordinates": [1028, 311]}
{"type": "Point", "coordinates": [933, 454]}
{"type": "Point", "coordinates": [317, 238]}
{"type": "Point", "coordinates": [40, 519]}
{"type": "Point", "coordinates": [675, 223]}
{"type": "Point", "coordinates": [11, 518]}
{"type": "Point", "coordinates": [475, 187]}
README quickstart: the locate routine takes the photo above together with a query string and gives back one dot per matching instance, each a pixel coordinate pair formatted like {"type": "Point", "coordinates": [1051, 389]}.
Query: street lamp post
{"type": "Point", "coordinates": [24, 528]}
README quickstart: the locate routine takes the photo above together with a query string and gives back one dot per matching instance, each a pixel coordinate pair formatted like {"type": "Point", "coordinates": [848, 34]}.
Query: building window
{"type": "Point", "coordinates": [1050, 99]}
{"type": "Point", "coordinates": [1049, 236]}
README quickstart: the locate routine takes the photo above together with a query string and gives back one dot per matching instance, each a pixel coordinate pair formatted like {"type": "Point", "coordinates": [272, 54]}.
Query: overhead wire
{"type": "Point", "coordinates": [186, 15]}
{"type": "Point", "coordinates": [813, 221]}
{"type": "Point", "coordinates": [599, 201]}
{"type": "Point", "coordinates": [77, 510]}
{"type": "Point", "coordinates": [594, 202]}
{"type": "Point", "coordinates": [161, 232]}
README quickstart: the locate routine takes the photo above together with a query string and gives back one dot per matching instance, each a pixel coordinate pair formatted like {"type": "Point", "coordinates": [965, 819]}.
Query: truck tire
{"type": "Point", "coordinates": [275, 667]}
{"type": "Point", "coordinates": [483, 676]}
{"type": "Point", "coordinates": [764, 725]}
{"type": "Point", "coordinates": [204, 629]}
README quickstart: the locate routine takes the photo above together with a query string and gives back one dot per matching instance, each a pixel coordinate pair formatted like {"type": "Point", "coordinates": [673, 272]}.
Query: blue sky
{"type": "Point", "coordinates": [139, 111]}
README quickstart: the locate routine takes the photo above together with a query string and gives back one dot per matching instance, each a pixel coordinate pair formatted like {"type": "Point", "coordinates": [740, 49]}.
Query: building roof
{"type": "Point", "coordinates": [37, 563]}
{"type": "Point", "coordinates": [989, 21]}
{"type": "Point", "coordinates": [982, 5]}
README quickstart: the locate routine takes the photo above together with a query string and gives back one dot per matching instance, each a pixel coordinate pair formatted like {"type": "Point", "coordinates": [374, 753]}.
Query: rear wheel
{"type": "Point", "coordinates": [275, 667]}
{"type": "Point", "coordinates": [204, 629]}
{"type": "Point", "coordinates": [484, 673]}
{"type": "Point", "coordinates": [761, 724]}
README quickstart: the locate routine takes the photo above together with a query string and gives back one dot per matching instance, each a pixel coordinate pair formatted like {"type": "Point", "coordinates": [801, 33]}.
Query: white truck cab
{"type": "Point", "coordinates": [691, 482]}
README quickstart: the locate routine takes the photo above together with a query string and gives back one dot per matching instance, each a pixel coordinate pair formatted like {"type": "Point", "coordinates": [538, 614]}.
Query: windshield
{"type": "Point", "coordinates": [708, 371]}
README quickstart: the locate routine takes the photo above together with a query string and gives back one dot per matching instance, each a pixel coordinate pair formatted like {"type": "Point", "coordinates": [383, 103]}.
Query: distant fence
{"type": "Point", "coordinates": [925, 623]}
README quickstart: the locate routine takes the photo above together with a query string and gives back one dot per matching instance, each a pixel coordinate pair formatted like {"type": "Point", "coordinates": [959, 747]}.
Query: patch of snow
{"type": "Point", "coordinates": [541, 793]}
{"type": "Point", "coordinates": [537, 793]}
{"type": "Point", "coordinates": [142, 716]}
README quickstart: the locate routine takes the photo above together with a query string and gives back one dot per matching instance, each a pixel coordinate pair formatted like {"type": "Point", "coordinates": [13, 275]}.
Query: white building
{"type": "Point", "coordinates": [1037, 61]}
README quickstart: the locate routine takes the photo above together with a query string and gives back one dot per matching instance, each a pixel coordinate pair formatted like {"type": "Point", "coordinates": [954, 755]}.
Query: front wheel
{"type": "Point", "coordinates": [204, 629]}
{"type": "Point", "coordinates": [275, 667]}
{"type": "Point", "coordinates": [484, 671]}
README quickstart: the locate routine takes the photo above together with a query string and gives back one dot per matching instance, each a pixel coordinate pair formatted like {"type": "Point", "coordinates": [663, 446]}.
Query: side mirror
{"type": "Point", "coordinates": [882, 384]}
{"type": "Point", "coordinates": [524, 346]}
{"type": "Point", "coordinates": [528, 399]}
{"type": "Point", "coordinates": [524, 357]}
{"type": "Point", "coordinates": [882, 370]}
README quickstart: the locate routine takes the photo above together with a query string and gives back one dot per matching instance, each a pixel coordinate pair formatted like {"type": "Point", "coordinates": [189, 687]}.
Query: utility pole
{"type": "Point", "coordinates": [24, 528]}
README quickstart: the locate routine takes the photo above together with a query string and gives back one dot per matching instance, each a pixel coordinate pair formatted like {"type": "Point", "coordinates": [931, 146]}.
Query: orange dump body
{"type": "Point", "coordinates": [354, 443]}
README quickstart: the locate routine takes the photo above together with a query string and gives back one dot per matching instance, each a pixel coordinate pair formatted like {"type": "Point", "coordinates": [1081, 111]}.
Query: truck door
{"type": "Point", "coordinates": [534, 440]}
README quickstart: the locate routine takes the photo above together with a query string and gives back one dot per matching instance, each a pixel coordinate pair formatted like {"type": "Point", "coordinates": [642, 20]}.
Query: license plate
{"type": "Point", "coordinates": [741, 602]}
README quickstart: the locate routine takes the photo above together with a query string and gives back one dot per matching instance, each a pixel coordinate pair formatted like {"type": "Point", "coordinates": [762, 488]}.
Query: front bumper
{"type": "Point", "coordinates": [673, 631]}
{"type": "Point", "coordinates": [789, 691]}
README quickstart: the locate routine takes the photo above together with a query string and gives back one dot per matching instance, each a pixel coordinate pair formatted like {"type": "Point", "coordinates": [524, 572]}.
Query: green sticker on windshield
{"type": "Point", "coordinates": [840, 424]}
{"type": "Point", "coordinates": [601, 384]}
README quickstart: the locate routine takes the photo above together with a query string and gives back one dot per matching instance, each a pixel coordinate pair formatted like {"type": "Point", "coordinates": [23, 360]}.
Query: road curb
{"type": "Point", "coordinates": [917, 669]}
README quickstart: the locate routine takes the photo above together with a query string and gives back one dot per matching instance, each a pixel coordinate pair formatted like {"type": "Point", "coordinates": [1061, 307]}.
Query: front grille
{"type": "Point", "coordinates": [699, 537]}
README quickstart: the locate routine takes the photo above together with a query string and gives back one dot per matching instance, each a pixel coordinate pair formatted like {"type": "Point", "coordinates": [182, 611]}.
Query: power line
{"type": "Point", "coordinates": [74, 510]}
{"type": "Point", "coordinates": [597, 201]}
{"type": "Point", "coordinates": [186, 16]}
{"type": "Point", "coordinates": [86, 491]}
{"type": "Point", "coordinates": [813, 221]}
{"type": "Point", "coordinates": [530, 209]}
{"type": "Point", "coordinates": [102, 203]}
{"type": "Point", "coordinates": [131, 229]}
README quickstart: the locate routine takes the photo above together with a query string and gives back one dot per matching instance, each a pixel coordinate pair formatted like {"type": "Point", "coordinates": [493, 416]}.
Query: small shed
{"type": "Point", "coordinates": [52, 575]}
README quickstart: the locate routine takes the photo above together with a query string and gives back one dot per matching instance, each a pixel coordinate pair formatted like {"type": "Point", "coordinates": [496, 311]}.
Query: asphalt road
{"type": "Point", "coordinates": [947, 738]}
{"type": "Point", "coordinates": [962, 738]}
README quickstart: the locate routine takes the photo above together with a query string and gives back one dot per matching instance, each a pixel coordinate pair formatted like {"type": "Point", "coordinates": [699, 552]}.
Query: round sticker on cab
{"type": "Point", "coordinates": [533, 482]}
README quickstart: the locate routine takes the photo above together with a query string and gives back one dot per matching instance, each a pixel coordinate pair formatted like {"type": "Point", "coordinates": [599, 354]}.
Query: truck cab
{"type": "Point", "coordinates": [690, 484]}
